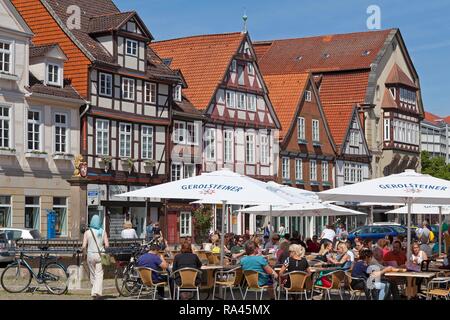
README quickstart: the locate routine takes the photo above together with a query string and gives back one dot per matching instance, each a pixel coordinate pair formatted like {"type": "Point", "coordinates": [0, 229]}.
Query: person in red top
{"type": "Point", "coordinates": [396, 255]}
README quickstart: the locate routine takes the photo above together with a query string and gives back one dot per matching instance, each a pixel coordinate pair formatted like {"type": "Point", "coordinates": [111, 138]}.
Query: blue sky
{"type": "Point", "coordinates": [424, 26]}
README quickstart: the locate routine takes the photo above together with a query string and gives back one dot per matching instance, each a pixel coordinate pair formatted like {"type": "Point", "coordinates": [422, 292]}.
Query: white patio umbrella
{"type": "Point", "coordinates": [308, 209]}
{"type": "Point", "coordinates": [223, 186]}
{"type": "Point", "coordinates": [408, 187]}
{"type": "Point", "coordinates": [429, 209]}
{"type": "Point", "coordinates": [290, 194]}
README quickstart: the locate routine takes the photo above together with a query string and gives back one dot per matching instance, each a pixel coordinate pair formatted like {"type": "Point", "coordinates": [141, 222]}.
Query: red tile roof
{"type": "Point", "coordinates": [109, 22]}
{"type": "Point", "coordinates": [340, 93]}
{"type": "Point", "coordinates": [343, 61]}
{"type": "Point", "coordinates": [285, 92]}
{"type": "Point", "coordinates": [203, 60]}
{"type": "Point", "coordinates": [435, 118]}
{"type": "Point", "coordinates": [323, 53]}
{"type": "Point", "coordinates": [398, 76]}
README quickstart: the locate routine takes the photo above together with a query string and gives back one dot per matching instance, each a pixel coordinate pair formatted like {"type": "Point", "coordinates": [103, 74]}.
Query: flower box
{"type": "Point", "coordinates": [64, 157]}
{"type": "Point", "coordinates": [8, 152]}
{"type": "Point", "coordinates": [38, 155]}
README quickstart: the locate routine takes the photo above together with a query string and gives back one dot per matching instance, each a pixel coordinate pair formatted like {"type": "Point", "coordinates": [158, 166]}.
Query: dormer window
{"type": "Point", "coordinates": [233, 66]}
{"type": "Point", "coordinates": [308, 95]}
{"type": "Point", "coordinates": [5, 57]}
{"type": "Point", "coordinates": [131, 47]}
{"type": "Point", "coordinates": [177, 93]}
{"type": "Point", "coordinates": [251, 69]}
{"type": "Point", "coordinates": [53, 76]}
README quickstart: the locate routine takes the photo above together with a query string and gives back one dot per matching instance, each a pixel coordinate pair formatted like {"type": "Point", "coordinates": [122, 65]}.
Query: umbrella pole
{"type": "Point", "coordinates": [222, 232]}
{"type": "Point", "coordinates": [440, 231]}
{"type": "Point", "coordinates": [270, 221]}
{"type": "Point", "coordinates": [408, 236]}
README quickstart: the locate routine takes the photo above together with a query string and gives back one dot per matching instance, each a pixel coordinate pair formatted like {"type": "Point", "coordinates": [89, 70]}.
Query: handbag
{"type": "Point", "coordinates": [105, 258]}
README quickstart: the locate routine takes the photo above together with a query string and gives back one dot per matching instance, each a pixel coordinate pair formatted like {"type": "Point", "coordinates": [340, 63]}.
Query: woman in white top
{"type": "Point", "coordinates": [95, 241]}
{"type": "Point", "coordinates": [418, 255]}
{"type": "Point", "coordinates": [128, 232]}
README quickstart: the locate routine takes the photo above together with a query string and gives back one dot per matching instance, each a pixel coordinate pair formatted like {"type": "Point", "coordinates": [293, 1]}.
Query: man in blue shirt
{"type": "Point", "coordinates": [149, 231]}
{"type": "Point", "coordinates": [153, 260]}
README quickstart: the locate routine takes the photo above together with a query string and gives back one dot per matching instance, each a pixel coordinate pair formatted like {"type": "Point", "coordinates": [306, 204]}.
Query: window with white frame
{"type": "Point", "coordinates": [189, 170]}
{"type": "Point", "coordinates": [387, 129]}
{"type": "Point", "coordinates": [354, 138]}
{"type": "Point", "coordinates": [131, 47]}
{"type": "Point", "coordinates": [301, 128]}
{"type": "Point", "coordinates": [250, 148]}
{"type": "Point", "coordinates": [60, 208]}
{"type": "Point", "coordinates": [177, 93]}
{"type": "Point", "coordinates": [60, 133]}
{"type": "Point", "coordinates": [105, 84]}
{"type": "Point", "coordinates": [315, 130]}
{"type": "Point", "coordinates": [150, 92]}
{"type": "Point", "coordinates": [179, 132]}
{"type": "Point", "coordinates": [185, 224]}
{"type": "Point", "coordinates": [176, 171]}
{"type": "Point", "coordinates": [128, 88]}
{"type": "Point", "coordinates": [242, 101]}
{"type": "Point", "coordinates": [102, 136]}
{"type": "Point", "coordinates": [241, 79]}
{"type": "Point", "coordinates": [5, 57]}
{"type": "Point", "coordinates": [308, 95]}
{"type": "Point", "coordinates": [250, 69]}
{"type": "Point", "coordinates": [5, 121]}
{"type": "Point", "coordinates": [147, 142]}
{"type": "Point", "coordinates": [298, 169]}
{"type": "Point", "coordinates": [285, 174]}
{"type": "Point", "coordinates": [313, 170]}
{"type": "Point", "coordinates": [265, 148]}
{"type": "Point", "coordinates": [353, 172]}
{"type": "Point", "coordinates": [5, 212]}
{"type": "Point", "coordinates": [34, 130]}
{"type": "Point", "coordinates": [192, 133]}
{"type": "Point", "coordinates": [210, 143]}
{"type": "Point", "coordinates": [228, 144]}
{"type": "Point", "coordinates": [324, 171]}
{"type": "Point", "coordinates": [32, 213]}
{"type": "Point", "coordinates": [53, 76]}
{"type": "Point", "coordinates": [233, 66]}
{"type": "Point", "coordinates": [230, 99]}
{"type": "Point", "coordinates": [251, 102]}
{"type": "Point", "coordinates": [125, 140]}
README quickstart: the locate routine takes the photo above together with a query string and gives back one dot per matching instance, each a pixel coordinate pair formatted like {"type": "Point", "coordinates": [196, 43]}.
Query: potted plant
{"type": "Point", "coordinates": [150, 163]}
{"type": "Point", "coordinates": [62, 156]}
{"type": "Point", "coordinates": [36, 154]}
{"type": "Point", "coordinates": [128, 162]}
{"type": "Point", "coordinates": [106, 161]}
{"type": "Point", "coordinates": [7, 151]}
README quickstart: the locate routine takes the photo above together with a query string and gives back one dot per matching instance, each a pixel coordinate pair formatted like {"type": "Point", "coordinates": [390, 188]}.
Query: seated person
{"type": "Point", "coordinates": [359, 245]}
{"type": "Point", "coordinates": [258, 263]}
{"type": "Point", "coordinates": [396, 257]}
{"type": "Point", "coordinates": [186, 259]}
{"type": "Point", "coordinates": [325, 251]}
{"type": "Point", "coordinates": [363, 271]}
{"type": "Point", "coordinates": [313, 245]}
{"type": "Point", "coordinates": [153, 260]}
{"type": "Point", "coordinates": [273, 245]}
{"type": "Point", "coordinates": [344, 258]}
{"type": "Point", "coordinates": [216, 245]}
{"type": "Point", "coordinates": [238, 250]}
{"type": "Point", "coordinates": [295, 262]}
{"type": "Point", "coordinates": [283, 253]}
{"type": "Point", "coordinates": [417, 257]}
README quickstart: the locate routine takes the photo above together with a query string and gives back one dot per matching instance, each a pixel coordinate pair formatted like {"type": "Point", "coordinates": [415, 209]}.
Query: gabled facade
{"type": "Point", "coordinates": [435, 136]}
{"type": "Point", "coordinates": [39, 131]}
{"type": "Point", "coordinates": [355, 70]}
{"type": "Point", "coordinates": [125, 124]}
{"type": "Point", "coordinates": [307, 150]}
{"type": "Point", "coordinates": [225, 84]}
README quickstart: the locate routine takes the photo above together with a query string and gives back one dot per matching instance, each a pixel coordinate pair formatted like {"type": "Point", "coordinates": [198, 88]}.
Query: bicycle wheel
{"type": "Point", "coordinates": [126, 281]}
{"type": "Point", "coordinates": [55, 278]}
{"type": "Point", "coordinates": [16, 278]}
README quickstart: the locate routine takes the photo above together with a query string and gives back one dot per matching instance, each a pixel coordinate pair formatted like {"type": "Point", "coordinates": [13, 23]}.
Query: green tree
{"type": "Point", "coordinates": [435, 166]}
{"type": "Point", "coordinates": [203, 219]}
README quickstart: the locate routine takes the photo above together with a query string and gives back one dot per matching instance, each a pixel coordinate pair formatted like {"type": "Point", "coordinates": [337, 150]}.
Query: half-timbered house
{"type": "Point", "coordinates": [224, 82]}
{"type": "Point", "coordinates": [125, 125]}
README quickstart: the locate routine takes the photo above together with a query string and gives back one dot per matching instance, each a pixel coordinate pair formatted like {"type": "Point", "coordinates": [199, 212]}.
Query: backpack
{"type": "Point", "coordinates": [431, 237]}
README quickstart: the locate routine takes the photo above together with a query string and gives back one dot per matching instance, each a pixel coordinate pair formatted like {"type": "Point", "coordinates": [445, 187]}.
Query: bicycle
{"type": "Point", "coordinates": [127, 280]}
{"type": "Point", "coordinates": [17, 276]}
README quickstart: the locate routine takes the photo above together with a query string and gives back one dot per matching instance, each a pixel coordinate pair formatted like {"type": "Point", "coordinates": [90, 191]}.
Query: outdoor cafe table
{"type": "Point", "coordinates": [411, 287]}
{"type": "Point", "coordinates": [210, 270]}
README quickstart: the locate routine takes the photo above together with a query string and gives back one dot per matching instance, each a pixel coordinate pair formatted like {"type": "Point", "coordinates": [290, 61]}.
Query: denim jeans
{"type": "Point", "coordinates": [383, 288]}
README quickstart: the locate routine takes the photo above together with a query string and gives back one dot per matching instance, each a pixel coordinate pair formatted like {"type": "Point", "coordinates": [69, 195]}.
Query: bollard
{"type": "Point", "coordinates": [76, 276]}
